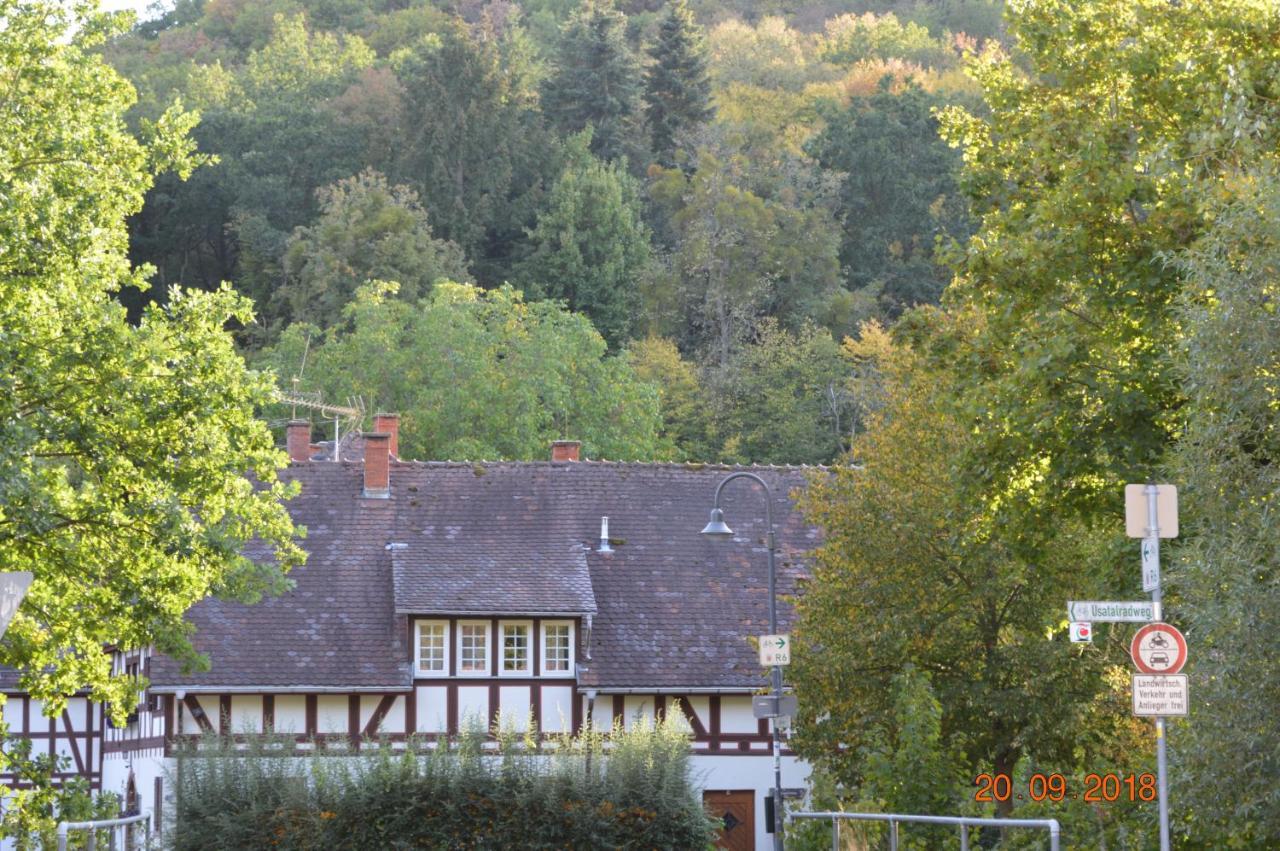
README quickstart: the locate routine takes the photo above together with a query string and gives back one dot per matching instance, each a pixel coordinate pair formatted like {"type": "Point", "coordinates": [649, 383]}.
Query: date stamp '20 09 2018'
{"type": "Point", "coordinates": [1097, 788]}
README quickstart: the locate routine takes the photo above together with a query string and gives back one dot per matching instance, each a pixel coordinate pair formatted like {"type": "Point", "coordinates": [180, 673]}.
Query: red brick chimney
{"type": "Point", "coordinates": [565, 450]}
{"type": "Point", "coordinates": [298, 440]}
{"type": "Point", "coordinates": [377, 465]}
{"type": "Point", "coordinates": [389, 424]}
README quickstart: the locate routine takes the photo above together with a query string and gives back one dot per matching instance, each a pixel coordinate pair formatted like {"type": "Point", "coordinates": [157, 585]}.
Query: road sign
{"type": "Point", "coordinates": [773, 706]}
{"type": "Point", "coordinates": [1135, 510]}
{"type": "Point", "coordinates": [1111, 611]}
{"type": "Point", "coordinates": [1081, 632]}
{"type": "Point", "coordinates": [1158, 648]}
{"type": "Point", "coordinates": [1150, 564]}
{"type": "Point", "coordinates": [13, 587]}
{"type": "Point", "coordinates": [775, 650]}
{"type": "Point", "coordinates": [1160, 695]}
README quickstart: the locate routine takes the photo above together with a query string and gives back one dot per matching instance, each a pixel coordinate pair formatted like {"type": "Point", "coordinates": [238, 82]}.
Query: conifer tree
{"type": "Point", "coordinates": [596, 81]}
{"type": "Point", "coordinates": [677, 90]}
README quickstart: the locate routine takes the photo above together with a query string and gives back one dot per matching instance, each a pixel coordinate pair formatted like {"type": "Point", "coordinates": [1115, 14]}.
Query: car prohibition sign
{"type": "Point", "coordinates": [1158, 648]}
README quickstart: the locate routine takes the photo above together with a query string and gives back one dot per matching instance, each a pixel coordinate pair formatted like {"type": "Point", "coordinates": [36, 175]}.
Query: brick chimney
{"type": "Point", "coordinates": [565, 450]}
{"type": "Point", "coordinates": [389, 424]}
{"type": "Point", "coordinates": [298, 440]}
{"type": "Point", "coordinates": [377, 465]}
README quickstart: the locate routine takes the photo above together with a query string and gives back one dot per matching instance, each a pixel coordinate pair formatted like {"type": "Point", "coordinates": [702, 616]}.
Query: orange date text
{"type": "Point", "coordinates": [1096, 788]}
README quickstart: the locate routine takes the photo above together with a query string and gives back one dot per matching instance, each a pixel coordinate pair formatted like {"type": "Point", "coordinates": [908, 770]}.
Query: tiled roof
{"type": "Point", "coordinates": [669, 607]}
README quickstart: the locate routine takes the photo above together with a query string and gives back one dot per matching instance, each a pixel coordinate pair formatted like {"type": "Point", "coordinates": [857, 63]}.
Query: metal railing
{"type": "Point", "coordinates": [963, 822]}
{"type": "Point", "coordinates": [111, 824]}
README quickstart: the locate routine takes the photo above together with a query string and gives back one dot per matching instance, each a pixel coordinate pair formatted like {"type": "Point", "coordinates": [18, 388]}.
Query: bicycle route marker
{"type": "Point", "coordinates": [1111, 611]}
{"type": "Point", "coordinates": [775, 650]}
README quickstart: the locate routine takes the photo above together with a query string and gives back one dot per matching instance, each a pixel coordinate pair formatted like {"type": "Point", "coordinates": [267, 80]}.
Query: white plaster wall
{"type": "Point", "coordinates": [331, 714]}
{"type": "Point", "coordinates": [515, 702]}
{"type": "Point", "coordinates": [635, 705]}
{"type": "Point", "coordinates": [736, 715]}
{"type": "Point", "coordinates": [432, 709]}
{"type": "Point", "coordinates": [291, 714]}
{"type": "Point", "coordinates": [209, 703]}
{"type": "Point", "coordinates": [13, 714]}
{"type": "Point", "coordinates": [246, 713]}
{"type": "Point", "coordinates": [473, 706]}
{"type": "Point", "coordinates": [557, 709]}
{"type": "Point", "coordinates": [736, 773]}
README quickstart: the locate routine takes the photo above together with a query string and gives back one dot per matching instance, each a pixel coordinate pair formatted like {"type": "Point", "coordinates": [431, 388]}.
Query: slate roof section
{"type": "Point", "coordinates": [336, 628]}
{"type": "Point", "coordinates": [669, 608]}
{"type": "Point", "coordinates": [486, 540]}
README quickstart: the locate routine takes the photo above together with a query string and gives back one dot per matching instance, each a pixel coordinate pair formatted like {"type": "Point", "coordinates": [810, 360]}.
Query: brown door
{"type": "Point", "coordinates": [738, 812]}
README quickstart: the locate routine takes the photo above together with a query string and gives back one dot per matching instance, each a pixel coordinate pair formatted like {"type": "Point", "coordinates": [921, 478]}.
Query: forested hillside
{"type": "Point", "coordinates": [724, 192]}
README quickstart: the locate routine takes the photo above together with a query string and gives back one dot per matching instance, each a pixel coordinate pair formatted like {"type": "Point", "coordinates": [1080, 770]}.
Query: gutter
{"type": "Point", "coordinates": [207, 689]}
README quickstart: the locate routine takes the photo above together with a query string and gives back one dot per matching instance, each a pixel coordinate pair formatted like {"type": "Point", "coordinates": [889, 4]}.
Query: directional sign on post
{"type": "Point", "coordinates": [1160, 695]}
{"type": "Point", "coordinates": [1111, 611]}
{"type": "Point", "coordinates": [775, 650]}
{"type": "Point", "coordinates": [1150, 564]}
{"type": "Point", "coordinates": [13, 587]}
{"type": "Point", "coordinates": [1135, 510]}
{"type": "Point", "coordinates": [1158, 648]}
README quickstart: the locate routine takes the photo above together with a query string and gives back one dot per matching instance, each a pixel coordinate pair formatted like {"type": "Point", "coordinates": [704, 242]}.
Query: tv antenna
{"type": "Point", "coordinates": [351, 415]}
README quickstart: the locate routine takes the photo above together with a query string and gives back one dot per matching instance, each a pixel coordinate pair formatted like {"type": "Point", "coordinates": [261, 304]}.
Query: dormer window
{"type": "Point", "coordinates": [557, 648]}
{"type": "Point", "coordinates": [473, 648]}
{"type": "Point", "coordinates": [516, 655]}
{"type": "Point", "coordinates": [433, 648]}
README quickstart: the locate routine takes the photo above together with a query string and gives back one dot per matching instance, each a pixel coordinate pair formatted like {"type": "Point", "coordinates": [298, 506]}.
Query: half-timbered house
{"type": "Point", "coordinates": [438, 594]}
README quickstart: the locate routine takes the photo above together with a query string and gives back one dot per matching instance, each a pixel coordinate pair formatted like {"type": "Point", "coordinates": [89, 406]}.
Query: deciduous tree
{"type": "Point", "coordinates": [125, 450]}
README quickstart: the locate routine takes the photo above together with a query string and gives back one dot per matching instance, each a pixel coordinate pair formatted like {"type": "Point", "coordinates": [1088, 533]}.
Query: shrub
{"type": "Point", "coordinates": [628, 789]}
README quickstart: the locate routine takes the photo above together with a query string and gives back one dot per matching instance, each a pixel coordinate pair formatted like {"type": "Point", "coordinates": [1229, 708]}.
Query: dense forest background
{"type": "Point", "coordinates": [692, 205]}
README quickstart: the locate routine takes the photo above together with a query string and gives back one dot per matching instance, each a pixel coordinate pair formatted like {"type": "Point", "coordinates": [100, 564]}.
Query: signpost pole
{"type": "Point", "coordinates": [777, 692]}
{"type": "Point", "coordinates": [1162, 773]}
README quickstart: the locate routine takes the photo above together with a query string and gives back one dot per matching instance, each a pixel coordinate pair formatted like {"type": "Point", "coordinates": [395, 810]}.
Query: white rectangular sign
{"type": "Point", "coordinates": [1111, 611]}
{"type": "Point", "coordinates": [1158, 695]}
{"type": "Point", "coordinates": [1150, 564]}
{"type": "Point", "coordinates": [1135, 510]}
{"type": "Point", "coordinates": [775, 650]}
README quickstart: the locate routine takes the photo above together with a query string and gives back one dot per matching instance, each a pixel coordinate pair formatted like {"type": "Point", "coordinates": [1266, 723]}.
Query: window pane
{"type": "Point", "coordinates": [557, 650]}
{"type": "Point", "coordinates": [515, 648]}
{"type": "Point", "coordinates": [431, 647]}
{"type": "Point", "coordinates": [473, 640]}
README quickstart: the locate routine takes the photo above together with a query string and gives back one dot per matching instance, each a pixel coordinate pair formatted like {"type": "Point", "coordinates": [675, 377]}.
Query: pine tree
{"type": "Point", "coordinates": [677, 87]}
{"type": "Point", "coordinates": [596, 81]}
{"type": "Point", "coordinates": [590, 244]}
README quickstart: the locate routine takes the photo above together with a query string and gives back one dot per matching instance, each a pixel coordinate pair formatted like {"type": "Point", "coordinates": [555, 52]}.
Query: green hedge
{"type": "Point", "coordinates": [631, 789]}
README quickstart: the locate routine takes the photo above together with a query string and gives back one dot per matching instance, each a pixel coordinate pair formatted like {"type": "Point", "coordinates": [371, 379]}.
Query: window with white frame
{"type": "Point", "coordinates": [433, 648]}
{"type": "Point", "coordinates": [515, 648]}
{"type": "Point", "coordinates": [557, 648]}
{"type": "Point", "coordinates": [473, 647]}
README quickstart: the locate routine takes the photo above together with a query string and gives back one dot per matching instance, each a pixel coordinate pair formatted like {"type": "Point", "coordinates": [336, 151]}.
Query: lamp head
{"type": "Point", "coordinates": [716, 527]}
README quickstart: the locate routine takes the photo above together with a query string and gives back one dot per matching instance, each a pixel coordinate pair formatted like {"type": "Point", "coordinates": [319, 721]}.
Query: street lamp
{"type": "Point", "coordinates": [718, 529]}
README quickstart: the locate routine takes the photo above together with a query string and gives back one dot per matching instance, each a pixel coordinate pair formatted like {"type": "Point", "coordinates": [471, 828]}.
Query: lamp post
{"type": "Point", "coordinates": [717, 528]}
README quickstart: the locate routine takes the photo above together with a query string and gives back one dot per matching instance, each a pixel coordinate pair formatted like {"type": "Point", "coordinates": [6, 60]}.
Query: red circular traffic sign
{"type": "Point", "coordinates": [1158, 648]}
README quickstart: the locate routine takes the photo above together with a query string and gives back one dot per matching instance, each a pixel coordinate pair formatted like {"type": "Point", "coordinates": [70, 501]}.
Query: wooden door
{"type": "Point", "coordinates": [738, 811]}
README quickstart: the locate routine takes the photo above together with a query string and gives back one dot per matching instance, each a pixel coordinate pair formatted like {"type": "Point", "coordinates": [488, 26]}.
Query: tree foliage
{"type": "Point", "coordinates": [123, 449]}
{"type": "Point", "coordinates": [479, 375]}
{"type": "Point", "coordinates": [677, 86]}
{"type": "Point", "coordinates": [1227, 580]}
{"type": "Point", "coordinates": [590, 246]}
{"type": "Point", "coordinates": [366, 230]}
{"type": "Point", "coordinates": [921, 563]}
{"type": "Point", "coordinates": [595, 80]}
{"type": "Point", "coordinates": [898, 194]}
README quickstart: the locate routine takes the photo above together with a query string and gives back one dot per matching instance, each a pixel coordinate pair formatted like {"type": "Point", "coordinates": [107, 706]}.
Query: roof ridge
{"type": "Point", "coordinates": [693, 466]}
